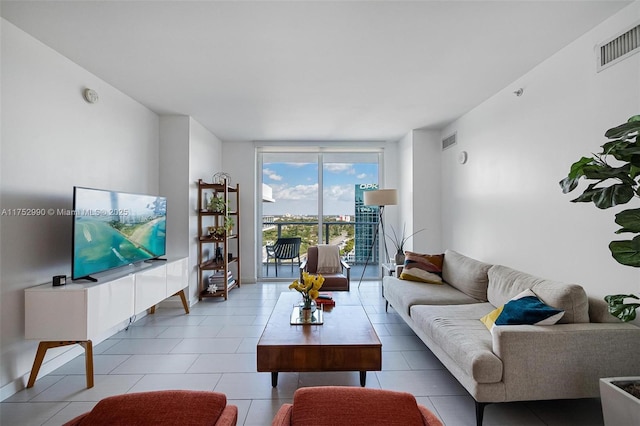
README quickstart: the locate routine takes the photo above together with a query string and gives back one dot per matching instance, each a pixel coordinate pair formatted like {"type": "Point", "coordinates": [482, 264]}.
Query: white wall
{"type": "Point", "coordinates": [405, 188]}
{"type": "Point", "coordinates": [240, 163]}
{"type": "Point", "coordinates": [52, 140]}
{"type": "Point", "coordinates": [426, 194]}
{"type": "Point", "coordinates": [419, 190]}
{"type": "Point", "coordinates": [174, 181]}
{"type": "Point", "coordinates": [205, 159]}
{"type": "Point", "coordinates": [505, 205]}
{"type": "Point", "coordinates": [188, 152]}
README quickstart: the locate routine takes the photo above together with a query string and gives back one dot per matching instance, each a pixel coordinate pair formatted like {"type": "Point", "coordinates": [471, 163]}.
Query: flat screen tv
{"type": "Point", "coordinates": [113, 229]}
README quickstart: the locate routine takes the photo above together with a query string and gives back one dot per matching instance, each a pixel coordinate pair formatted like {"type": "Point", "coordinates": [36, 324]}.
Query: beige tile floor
{"type": "Point", "coordinates": [214, 348]}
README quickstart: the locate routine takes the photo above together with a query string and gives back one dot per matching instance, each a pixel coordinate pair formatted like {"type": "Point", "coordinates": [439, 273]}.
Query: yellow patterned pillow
{"type": "Point", "coordinates": [490, 319]}
{"type": "Point", "coordinates": [425, 268]}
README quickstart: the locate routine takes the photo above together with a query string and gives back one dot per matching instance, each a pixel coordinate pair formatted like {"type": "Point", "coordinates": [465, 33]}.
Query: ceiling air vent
{"type": "Point", "coordinates": [619, 48]}
{"type": "Point", "coordinates": [449, 141]}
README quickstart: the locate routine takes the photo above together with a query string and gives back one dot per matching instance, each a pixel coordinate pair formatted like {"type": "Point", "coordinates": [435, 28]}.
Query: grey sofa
{"type": "Point", "coordinates": [514, 362]}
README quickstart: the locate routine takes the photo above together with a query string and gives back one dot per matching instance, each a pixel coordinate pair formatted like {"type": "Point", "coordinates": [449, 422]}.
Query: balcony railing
{"type": "Point", "coordinates": [353, 238]}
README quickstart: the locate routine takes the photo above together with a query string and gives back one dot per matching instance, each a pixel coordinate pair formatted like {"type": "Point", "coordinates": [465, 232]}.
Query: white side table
{"type": "Point", "coordinates": [391, 269]}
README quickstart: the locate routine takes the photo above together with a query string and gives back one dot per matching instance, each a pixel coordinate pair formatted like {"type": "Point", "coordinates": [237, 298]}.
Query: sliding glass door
{"type": "Point", "coordinates": [317, 196]}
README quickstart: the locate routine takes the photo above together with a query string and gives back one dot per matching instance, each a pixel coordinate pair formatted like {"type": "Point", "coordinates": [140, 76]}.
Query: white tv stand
{"type": "Point", "coordinates": [77, 313]}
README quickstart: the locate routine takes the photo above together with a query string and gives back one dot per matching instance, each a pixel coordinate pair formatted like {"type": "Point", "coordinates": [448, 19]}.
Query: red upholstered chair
{"type": "Point", "coordinates": [161, 408]}
{"type": "Point", "coordinates": [353, 406]}
{"type": "Point", "coordinates": [338, 281]}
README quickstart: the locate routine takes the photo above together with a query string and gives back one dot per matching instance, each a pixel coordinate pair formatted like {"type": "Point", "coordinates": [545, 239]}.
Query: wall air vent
{"type": "Point", "coordinates": [620, 47]}
{"type": "Point", "coordinates": [449, 141]}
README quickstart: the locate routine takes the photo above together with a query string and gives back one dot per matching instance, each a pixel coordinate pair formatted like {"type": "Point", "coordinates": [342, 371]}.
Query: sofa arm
{"type": "Point", "coordinates": [564, 360]}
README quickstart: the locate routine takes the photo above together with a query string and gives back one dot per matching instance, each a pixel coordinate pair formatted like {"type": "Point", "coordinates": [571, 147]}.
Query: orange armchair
{"type": "Point", "coordinates": [161, 408]}
{"type": "Point", "coordinates": [337, 405]}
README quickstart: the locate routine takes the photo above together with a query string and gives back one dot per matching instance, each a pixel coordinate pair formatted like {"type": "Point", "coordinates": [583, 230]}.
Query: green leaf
{"type": "Point", "coordinates": [614, 195]}
{"type": "Point", "coordinates": [603, 172]}
{"type": "Point", "coordinates": [570, 183]}
{"type": "Point", "coordinates": [629, 220]}
{"type": "Point", "coordinates": [587, 195]}
{"type": "Point", "coordinates": [623, 130]}
{"type": "Point", "coordinates": [626, 252]}
{"type": "Point", "coordinates": [577, 168]}
{"type": "Point", "coordinates": [623, 151]}
{"type": "Point", "coordinates": [619, 309]}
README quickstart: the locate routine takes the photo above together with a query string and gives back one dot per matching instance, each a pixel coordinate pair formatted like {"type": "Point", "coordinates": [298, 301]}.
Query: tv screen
{"type": "Point", "coordinates": [113, 229]}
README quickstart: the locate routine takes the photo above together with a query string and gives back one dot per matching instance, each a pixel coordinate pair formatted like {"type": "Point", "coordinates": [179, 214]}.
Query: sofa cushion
{"type": "Point", "coordinates": [505, 283]}
{"type": "Point", "coordinates": [425, 268]}
{"type": "Point", "coordinates": [466, 274]}
{"type": "Point", "coordinates": [525, 308]}
{"type": "Point", "coordinates": [402, 294]}
{"type": "Point", "coordinates": [459, 333]}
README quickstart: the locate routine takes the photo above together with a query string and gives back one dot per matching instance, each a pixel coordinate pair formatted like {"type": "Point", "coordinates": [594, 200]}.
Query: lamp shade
{"type": "Point", "coordinates": [381, 197]}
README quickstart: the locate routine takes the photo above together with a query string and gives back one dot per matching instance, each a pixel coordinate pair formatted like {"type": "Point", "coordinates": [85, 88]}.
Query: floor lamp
{"type": "Point", "coordinates": [380, 198]}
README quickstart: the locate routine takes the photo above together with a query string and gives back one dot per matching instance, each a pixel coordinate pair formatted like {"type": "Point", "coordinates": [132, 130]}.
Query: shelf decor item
{"type": "Point", "coordinates": [229, 223]}
{"type": "Point", "coordinates": [217, 232]}
{"type": "Point", "coordinates": [222, 178]}
{"type": "Point", "coordinates": [309, 288]}
{"type": "Point", "coordinates": [217, 205]}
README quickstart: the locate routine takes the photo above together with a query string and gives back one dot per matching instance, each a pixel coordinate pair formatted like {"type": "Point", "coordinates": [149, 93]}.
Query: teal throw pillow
{"type": "Point", "coordinates": [526, 308]}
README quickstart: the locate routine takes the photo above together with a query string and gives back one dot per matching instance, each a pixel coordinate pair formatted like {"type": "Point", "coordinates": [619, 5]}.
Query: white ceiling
{"type": "Point", "coordinates": [309, 70]}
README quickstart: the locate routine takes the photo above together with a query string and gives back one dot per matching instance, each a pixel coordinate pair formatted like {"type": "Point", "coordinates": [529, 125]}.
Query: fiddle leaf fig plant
{"type": "Point", "coordinates": [614, 174]}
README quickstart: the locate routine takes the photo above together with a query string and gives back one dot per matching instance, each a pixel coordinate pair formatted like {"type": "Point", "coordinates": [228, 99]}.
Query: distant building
{"type": "Point", "coordinates": [267, 194]}
{"type": "Point", "coordinates": [366, 225]}
{"type": "Point", "coordinates": [268, 222]}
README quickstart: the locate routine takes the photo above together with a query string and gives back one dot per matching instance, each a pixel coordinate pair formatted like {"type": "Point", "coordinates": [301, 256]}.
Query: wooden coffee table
{"type": "Point", "coordinates": [346, 341]}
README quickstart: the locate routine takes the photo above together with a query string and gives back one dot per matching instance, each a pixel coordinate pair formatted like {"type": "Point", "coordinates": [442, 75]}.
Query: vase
{"type": "Point", "coordinates": [400, 257]}
{"type": "Point", "coordinates": [306, 315]}
{"type": "Point", "coordinates": [307, 311]}
{"type": "Point", "coordinates": [312, 305]}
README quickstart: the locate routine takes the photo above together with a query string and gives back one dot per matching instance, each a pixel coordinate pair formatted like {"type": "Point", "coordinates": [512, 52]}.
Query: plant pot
{"type": "Point", "coordinates": [400, 257]}
{"type": "Point", "coordinates": [618, 407]}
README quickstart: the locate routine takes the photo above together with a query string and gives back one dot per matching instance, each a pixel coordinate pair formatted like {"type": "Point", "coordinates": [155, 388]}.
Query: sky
{"type": "Point", "coordinates": [295, 186]}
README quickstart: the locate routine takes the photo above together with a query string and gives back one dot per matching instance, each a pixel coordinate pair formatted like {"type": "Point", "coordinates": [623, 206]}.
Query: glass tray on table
{"type": "Point", "coordinates": [316, 317]}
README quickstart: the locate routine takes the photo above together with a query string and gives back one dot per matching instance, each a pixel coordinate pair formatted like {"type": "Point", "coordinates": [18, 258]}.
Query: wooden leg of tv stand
{"type": "Point", "coordinates": [46, 345]}
{"type": "Point", "coordinates": [183, 297]}
{"type": "Point", "coordinates": [88, 361]}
